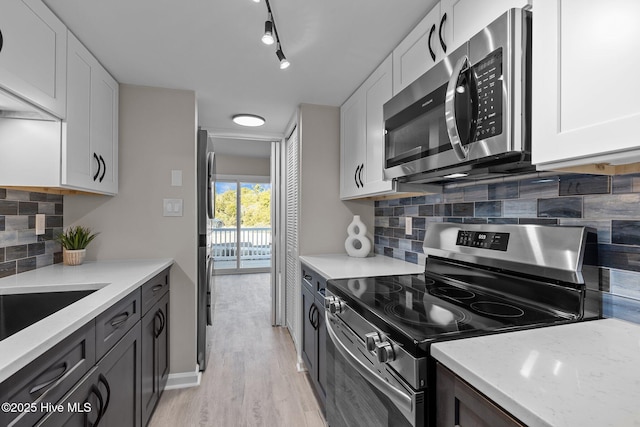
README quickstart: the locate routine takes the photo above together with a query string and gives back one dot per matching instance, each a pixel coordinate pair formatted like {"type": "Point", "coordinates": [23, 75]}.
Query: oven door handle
{"type": "Point", "coordinates": [403, 401]}
{"type": "Point", "coordinates": [460, 151]}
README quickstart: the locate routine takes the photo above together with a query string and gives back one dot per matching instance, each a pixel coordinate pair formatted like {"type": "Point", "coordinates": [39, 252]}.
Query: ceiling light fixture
{"type": "Point", "coordinates": [270, 36]}
{"type": "Point", "coordinates": [250, 120]}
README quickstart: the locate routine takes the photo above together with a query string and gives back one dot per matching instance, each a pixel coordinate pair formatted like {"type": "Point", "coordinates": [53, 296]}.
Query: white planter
{"type": "Point", "coordinates": [73, 257]}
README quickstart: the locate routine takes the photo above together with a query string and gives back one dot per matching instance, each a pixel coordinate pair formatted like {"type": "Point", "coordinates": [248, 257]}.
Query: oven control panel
{"type": "Point", "coordinates": [483, 239]}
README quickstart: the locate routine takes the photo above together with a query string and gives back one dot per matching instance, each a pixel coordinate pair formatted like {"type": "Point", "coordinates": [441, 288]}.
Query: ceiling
{"type": "Point", "coordinates": [213, 47]}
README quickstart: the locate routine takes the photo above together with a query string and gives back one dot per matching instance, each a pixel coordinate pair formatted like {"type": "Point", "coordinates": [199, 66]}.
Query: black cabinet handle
{"type": "Point", "coordinates": [38, 387]}
{"type": "Point", "coordinates": [431, 52]}
{"type": "Point", "coordinates": [96, 392]}
{"type": "Point", "coordinates": [95, 156]}
{"type": "Point", "coordinates": [309, 314]}
{"type": "Point", "coordinates": [103, 380]}
{"type": "Point", "coordinates": [104, 168]}
{"type": "Point", "coordinates": [360, 175]}
{"type": "Point", "coordinates": [442, 43]}
{"type": "Point", "coordinates": [355, 176]}
{"type": "Point", "coordinates": [1, 41]}
{"type": "Point", "coordinates": [156, 288]}
{"type": "Point", "coordinates": [163, 322]}
{"type": "Point", "coordinates": [313, 316]}
{"type": "Point", "coordinates": [307, 277]}
{"type": "Point", "coordinates": [119, 319]}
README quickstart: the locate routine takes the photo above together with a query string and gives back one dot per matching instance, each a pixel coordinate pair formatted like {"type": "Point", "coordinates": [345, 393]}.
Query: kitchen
{"type": "Point", "coordinates": [150, 119]}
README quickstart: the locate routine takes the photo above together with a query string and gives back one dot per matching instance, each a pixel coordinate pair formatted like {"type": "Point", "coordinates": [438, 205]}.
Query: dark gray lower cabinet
{"type": "Point", "coordinates": [47, 379]}
{"type": "Point", "coordinates": [109, 396]}
{"type": "Point", "coordinates": [109, 373]}
{"type": "Point", "coordinates": [155, 355]}
{"type": "Point", "coordinates": [314, 330]}
{"type": "Point", "coordinates": [460, 405]}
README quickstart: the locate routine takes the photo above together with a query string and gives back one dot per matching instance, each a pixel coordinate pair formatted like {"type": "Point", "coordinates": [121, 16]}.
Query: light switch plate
{"type": "Point", "coordinates": [172, 207]}
{"type": "Point", "coordinates": [408, 229]}
{"type": "Point", "coordinates": [176, 178]}
{"type": "Point", "coordinates": [40, 224]}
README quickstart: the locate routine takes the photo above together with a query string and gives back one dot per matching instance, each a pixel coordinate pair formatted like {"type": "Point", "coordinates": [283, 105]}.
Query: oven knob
{"type": "Point", "coordinates": [334, 304]}
{"type": "Point", "coordinates": [372, 340]}
{"type": "Point", "coordinates": [384, 352]}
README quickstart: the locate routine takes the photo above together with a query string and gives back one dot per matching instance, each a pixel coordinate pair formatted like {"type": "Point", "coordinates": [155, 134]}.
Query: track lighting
{"type": "Point", "coordinates": [270, 36]}
{"type": "Point", "coordinates": [267, 38]}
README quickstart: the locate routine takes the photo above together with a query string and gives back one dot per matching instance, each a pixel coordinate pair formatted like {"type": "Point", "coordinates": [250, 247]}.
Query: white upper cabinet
{"type": "Point", "coordinates": [419, 51]}
{"type": "Point", "coordinates": [446, 27]}
{"type": "Point", "coordinates": [90, 139]}
{"type": "Point", "coordinates": [465, 18]}
{"type": "Point", "coordinates": [33, 54]}
{"type": "Point", "coordinates": [362, 136]}
{"type": "Point", "coordinates": [585, 94]}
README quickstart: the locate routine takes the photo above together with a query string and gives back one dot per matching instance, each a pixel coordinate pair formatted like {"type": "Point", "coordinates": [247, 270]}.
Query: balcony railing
{"type": "Point", "coordinates": [255, 243]}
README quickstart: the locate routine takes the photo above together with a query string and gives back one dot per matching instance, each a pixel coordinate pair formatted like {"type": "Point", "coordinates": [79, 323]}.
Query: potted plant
{"type": "Point", "coordinates": [74, 241]}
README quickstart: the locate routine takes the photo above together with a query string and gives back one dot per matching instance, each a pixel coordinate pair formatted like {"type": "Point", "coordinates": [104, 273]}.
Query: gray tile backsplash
{"type": "Point", "coordinates": [611, 205]}
{"type": "Point", "coordinates": [20, 248]}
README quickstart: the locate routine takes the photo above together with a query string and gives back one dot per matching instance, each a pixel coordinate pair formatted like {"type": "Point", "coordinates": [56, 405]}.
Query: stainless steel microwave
{"type": "Point", "coordinates": [469, 115]}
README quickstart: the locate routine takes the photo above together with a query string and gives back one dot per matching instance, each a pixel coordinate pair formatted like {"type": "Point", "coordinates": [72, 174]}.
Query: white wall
{"type": "Point", "coordinates": [157, 134]}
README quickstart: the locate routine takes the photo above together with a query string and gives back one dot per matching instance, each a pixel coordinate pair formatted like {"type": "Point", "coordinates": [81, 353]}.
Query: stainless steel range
{"type": "Point", "coordinates": [478, 279]}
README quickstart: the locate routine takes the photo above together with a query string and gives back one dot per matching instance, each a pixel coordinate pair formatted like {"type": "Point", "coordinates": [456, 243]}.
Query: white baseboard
{"type": "Point", "coordinates": [184, 380]}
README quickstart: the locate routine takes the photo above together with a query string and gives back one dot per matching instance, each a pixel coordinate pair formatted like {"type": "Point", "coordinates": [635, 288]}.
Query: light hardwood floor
{"type": "Point", "coordinates": [251, 378]}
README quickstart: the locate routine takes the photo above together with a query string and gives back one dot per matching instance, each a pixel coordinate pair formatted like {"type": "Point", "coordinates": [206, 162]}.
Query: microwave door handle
{"type": "Point", "coordinates": [460, 151]}
{"type": "Point", "coordinates": [402, 400]}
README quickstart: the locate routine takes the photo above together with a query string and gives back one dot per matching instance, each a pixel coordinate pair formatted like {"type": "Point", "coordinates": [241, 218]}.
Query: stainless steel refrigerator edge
{"type": "Point", "coordinates": [206, 171]}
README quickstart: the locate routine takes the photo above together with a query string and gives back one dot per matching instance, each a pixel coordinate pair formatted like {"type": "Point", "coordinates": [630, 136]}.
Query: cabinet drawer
{"type": "Point", "coordinates": [49, 377]}
{"type": "Point", "coordinates": [154, 289]}
{"type": "Point", "coordinates": [116, 321]}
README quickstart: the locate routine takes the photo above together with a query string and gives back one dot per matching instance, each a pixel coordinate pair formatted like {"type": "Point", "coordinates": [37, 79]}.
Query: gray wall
{"type": "Point", "coordinates": [236, 165]}
{"type": "Point", "coordinates": [323, 216]}
{"type": "Point", "coordinates": [157, 135]}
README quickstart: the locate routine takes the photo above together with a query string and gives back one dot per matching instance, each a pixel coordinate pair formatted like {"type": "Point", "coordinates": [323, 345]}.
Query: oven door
{"type": "Point", "coordinates": [358, 394]}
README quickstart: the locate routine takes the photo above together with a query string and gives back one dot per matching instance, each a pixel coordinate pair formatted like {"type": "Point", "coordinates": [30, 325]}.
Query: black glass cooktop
{"type": "Point", "coordinates": [417, 310]}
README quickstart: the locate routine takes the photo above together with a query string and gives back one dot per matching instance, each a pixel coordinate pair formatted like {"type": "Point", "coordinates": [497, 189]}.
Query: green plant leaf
{"type": "Point", "coordinates": [76, 237]}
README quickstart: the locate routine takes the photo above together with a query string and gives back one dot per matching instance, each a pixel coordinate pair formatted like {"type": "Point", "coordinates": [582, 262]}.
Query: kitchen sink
{"type": "Point", "coordinates": [18, 311]}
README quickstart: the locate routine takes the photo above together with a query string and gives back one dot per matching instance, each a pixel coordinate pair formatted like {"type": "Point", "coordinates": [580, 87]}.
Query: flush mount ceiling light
{"type": "Point", "coordinates": [250, 120]}
{"type": "Point", "coordinates": [270, 36]}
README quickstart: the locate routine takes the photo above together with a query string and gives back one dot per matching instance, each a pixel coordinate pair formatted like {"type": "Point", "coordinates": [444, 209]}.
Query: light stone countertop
{"type": "Point", "coordinates": [342, 266]}
{"type": "Point", "coordinates": [113, 280]}
{"type": "Point", "coordinates": [580, 374]}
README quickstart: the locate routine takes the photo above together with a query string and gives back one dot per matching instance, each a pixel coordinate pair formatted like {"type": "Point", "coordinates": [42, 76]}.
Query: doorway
{"type": "Point", "coordinates": [241, 234]}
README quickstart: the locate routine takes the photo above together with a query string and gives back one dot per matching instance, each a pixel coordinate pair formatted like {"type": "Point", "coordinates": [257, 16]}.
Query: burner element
{"type": "Point", "coordinates": [435, 315]}
{"type": "Point", "coordinates": [453, 293]}
{"type": "Point", "coordinates": [497, 309]}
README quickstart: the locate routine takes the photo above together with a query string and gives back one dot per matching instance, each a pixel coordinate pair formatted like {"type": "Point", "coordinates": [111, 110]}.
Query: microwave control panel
{"type": "Point", "coordinates": [483, 239]}
{"type": "Point", "coordinates": [488, 74]}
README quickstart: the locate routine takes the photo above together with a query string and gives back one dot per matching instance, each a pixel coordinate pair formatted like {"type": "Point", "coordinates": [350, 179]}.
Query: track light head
{"type": "Point", "coordinates": [284, 62]}
{"type": "Point", "coordinates": [267, 38]}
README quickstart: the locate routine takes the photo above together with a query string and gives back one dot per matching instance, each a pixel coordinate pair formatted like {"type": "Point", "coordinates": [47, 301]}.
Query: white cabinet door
{"type": "Point", "coordinates": [104, 129]}
{"type": "Point", "coordinates": [90, 140]}
{"type": "Point", "coordinates": [33, 54]}
{"type": "Point", "coordinates": [585, 96]}
{"type": "Point", "coordinates": [418, 52]}
{"type": "Point", "coordinates": [465, 18]}
{"type": "Point", "coordinates": [77, 164]}
{"type": "Point", "coordinates": [362, 136]}
{"type": "Point", "coordinates": [352, 144]}
{"type": "Point", "coordinates": [378, 90]}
